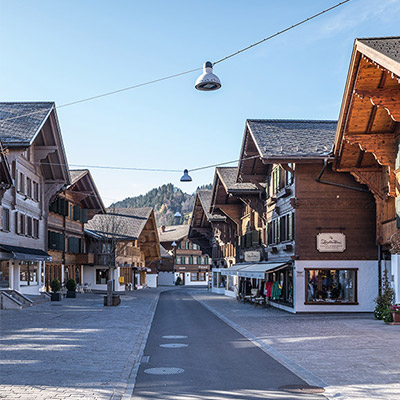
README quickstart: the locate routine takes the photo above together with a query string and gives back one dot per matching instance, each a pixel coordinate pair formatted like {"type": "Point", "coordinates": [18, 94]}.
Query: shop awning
{"type": "Point", "coordinates": [258, 270]}
{"type": "Point", "coordinates": [234, 269]}
{"type": "Point", "coordinates": [25, 253]}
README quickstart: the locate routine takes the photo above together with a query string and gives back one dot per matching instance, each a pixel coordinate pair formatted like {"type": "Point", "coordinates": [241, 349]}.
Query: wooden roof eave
{"type": "Point", "coordinates": [299, 160]}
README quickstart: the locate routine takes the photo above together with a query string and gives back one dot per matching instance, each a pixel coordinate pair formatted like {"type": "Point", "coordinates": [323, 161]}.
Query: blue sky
{"type": "Point", "coordinates": [67, 50]}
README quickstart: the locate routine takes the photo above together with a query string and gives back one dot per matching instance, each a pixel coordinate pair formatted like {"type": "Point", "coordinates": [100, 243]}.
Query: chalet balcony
{"type": "Point", "coordinates": [87, 258]}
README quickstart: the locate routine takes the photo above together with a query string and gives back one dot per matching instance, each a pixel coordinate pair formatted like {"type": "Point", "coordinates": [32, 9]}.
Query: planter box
{"type": "Point", "coordinates": [55, 296]}
{"type": "Point", "coordinates": [71, 294]}
{"type": "Point", "coordinates": [396, 317]}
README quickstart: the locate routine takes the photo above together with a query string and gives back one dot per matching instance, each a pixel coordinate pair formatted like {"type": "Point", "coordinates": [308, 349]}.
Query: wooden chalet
{"type": "Point", "coordinates": [320, 234]}
{"type": "Point", "coordinates": [237, 237]}
{"type": "Point", "coordinates": [191, 265]}
{"type": "Point", "coordinates": [31, 136]}
{"type": "Point", "coordinates": [367, 140]}
{"type": "Point", "coordinates": [68, 213]}
{"type": "Point", "coordinates": [124, 241]}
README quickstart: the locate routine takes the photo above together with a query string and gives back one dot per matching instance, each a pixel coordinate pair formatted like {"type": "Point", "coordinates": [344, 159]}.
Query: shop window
{"type": "Point", "coordinates": [6, 219]}
{"type": "Point", "coordinates": [202, 276]}
{"type": "Point", "coordinates": [28, 275]}
{"type": "Point", "coordinates": [331, 286]}
{"type": "Point", "coordinates": [194, 276]}
{"type": "Point", "coordinates": [101, 276]}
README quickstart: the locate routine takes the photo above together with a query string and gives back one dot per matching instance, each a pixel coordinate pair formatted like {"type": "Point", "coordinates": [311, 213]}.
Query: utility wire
{"type": "Point", "coordinates": [280, 32]}
{"type": "Point", "coordinates": [181, 73]}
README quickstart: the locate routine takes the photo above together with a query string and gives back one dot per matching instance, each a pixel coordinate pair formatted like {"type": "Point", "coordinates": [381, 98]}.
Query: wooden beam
{"type": "Point", "coordinates": [388, 98]}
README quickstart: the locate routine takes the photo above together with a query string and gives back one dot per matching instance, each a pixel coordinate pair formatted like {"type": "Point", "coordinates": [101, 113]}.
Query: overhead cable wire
{"type": "Point", "coordinates": [180, 73]}
{"type": "Point", "coordinates": [280, 32]}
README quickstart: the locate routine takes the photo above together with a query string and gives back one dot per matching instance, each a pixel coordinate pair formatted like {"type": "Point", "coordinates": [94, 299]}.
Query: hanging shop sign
{"type": "Point", "coordinates": [252, 256]}
{"type": "Point", "coordinates": [331, 242]}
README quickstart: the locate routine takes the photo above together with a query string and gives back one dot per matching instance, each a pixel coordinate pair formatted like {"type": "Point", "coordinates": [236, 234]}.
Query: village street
{"type": "Point", "coordinates": [79, 349]}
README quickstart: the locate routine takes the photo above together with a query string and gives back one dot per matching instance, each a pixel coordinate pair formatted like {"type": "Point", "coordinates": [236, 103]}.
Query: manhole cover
{"type": "Point", "coordinates": [173, 345]}
{"type": "Point", "coordinates": [145, 359]}
{"type": "Point", "coordinates": [305, 389]}
{"type": "Point", "coordinates": [174, 337]}
{"type": "Point", "coordinates": [163, 371]}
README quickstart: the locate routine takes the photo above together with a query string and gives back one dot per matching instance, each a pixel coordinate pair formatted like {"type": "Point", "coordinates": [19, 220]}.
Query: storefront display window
{"type": "Point", "coordinates": [101, 276]}
{"type": "Point", "coordinates": [28, 275]}
{"type": "Point", "coordinates": [331, 286]}
{"type": "Point", "coordinates": [231, 283]}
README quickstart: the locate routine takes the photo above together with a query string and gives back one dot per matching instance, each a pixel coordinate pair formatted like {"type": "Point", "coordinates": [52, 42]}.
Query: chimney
{"type": "Point", "coordinates": [163, 228]}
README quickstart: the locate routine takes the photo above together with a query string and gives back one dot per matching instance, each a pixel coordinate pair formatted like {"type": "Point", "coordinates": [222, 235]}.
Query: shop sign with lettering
{"type": "Point", "coordinates": [331, 242]}
{"type": "Point", "coordinates": [252, 256]}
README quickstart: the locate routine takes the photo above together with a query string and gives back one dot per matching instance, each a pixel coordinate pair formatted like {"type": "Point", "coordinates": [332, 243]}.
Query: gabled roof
{"type": "Point", "coordinates": [383, 50]}
{"type": "Point", "coordinates": [120, 223]}
{"type": "Point", "coordinates": [228, 177]}
{"type": "Point", "coordinates": [84, 187]}
{"type": "Point", "coordinates": [5, 173]}
{"type": "Point", "coordinates": [173, 233]}
{"type": "Point", "coordinates": [205, 200]}
{"type": "Point", "coordinates": [21, 122]}
{"type": "Point", "coordinates": [292, 139]}
{"type": "Point", "coordinates": [164, 253]}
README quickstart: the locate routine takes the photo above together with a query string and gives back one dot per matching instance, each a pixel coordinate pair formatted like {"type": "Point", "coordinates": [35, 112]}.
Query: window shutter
{"type": "Point", "coordinates": [278, 230]}
{"type": "Point", "coordinates": [255, 238]}
{"type": "Point", "coordinates": [84, 215]}
{"type": "Point", "coordinates": [17, 223]}
{"type": "Point", "coordinates": [1, 218]}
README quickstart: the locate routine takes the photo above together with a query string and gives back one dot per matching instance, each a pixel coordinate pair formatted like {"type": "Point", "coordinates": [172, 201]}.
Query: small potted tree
{"type": "Point", "coordinates": [71, 288]}
{"type": "Point", "coordinates": [55, 287]}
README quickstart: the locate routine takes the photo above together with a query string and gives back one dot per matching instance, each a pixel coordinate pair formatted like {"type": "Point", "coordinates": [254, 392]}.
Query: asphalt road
{"type": "Point", "coordinates": [215, 363]}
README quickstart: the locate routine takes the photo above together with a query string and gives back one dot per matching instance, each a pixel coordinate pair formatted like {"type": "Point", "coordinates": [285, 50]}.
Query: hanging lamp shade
{"type": "Point", "coordinates": [207, 81]}
{"type": "Point", "coordinates": [178, 214]}
{"type": "Point", "coordinates": [186, 177]}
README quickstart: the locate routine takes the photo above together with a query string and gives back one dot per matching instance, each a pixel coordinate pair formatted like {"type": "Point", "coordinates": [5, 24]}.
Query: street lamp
{"type": "Point", "coordinates": [207, 81]}
{"type": "Point", "coordinates": [186, 177]}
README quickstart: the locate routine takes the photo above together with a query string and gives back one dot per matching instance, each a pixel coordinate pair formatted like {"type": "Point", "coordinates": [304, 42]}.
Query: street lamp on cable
{"type": "Point", "coordinates": [207, 81]}
{"type": "Point", "coordinates": [186, 177]}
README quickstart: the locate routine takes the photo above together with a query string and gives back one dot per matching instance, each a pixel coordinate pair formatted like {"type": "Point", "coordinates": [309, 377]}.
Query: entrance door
{"type": "Point", "coordinates": [182, 276]}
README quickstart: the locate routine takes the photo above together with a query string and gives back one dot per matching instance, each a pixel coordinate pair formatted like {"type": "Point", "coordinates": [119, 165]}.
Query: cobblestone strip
{"type": "Point", "coordinates": [301, 372]}
{"type": "Point", "coordinates": [124, 389]}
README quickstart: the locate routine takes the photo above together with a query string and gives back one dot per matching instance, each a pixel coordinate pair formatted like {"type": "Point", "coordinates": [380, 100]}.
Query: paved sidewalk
{"type": "Point", "coordinates": [74, 349]}
{"type": "Point", "coordinates": [352, 356]}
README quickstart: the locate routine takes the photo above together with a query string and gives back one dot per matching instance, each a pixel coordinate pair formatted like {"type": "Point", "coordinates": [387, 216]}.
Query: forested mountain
{"type": "Point", "coordinates": [166, 200]}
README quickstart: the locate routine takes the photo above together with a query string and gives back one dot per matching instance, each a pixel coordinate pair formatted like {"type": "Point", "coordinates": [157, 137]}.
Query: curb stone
{"type": "Point", "coordinates": [292, 366]}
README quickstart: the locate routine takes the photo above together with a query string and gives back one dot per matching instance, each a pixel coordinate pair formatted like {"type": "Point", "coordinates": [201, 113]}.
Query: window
{"type": "Point", "coordinates": [22, 224]}
{"type": "Point", "coordinates": [4, 274]}
{"type": "Point", "coordinates": [191, 260]}
{"type": "Point", "coordinates": [29, 187]}
{"type": "Point", "coordinates": [74, 245]}
{"type": "Point", "coordinates": [199, 260]}
{"type": "Point", "coordinates": [183, 260]}
{"type": "Point", "coordinates": [202, 276]}
{"type": "Point", "coordinates": [21, 187]}
{"type": "Point", "coordinates": [206, 260]}
{"type": "Point", "coordinates": [29, 226]}
{"type": "Point", "coordinates": [36, 191]}
{"type": "Point", "coordinates": [35, 228]}
{"type": "Point", "coordinates": [101, 276]}
{"type": "Point", "coordinates": [6, 219]}
{"type": "Point", "coordinates": [331, 286]}
{"type": "Point", "coordinates": [280, 229]}
{"type": "Point", "coordinates": [28, 274]}
{"type": "Point", "coordinates": [194, 276]}
{"type": "Point", "coordinates": [56, 241]}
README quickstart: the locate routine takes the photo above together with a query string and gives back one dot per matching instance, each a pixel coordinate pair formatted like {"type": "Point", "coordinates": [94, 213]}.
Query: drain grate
{"type": "Point", "coordinates": [305, 389]}
{"type": "Point", "coordinates": [174, 337]}
{"type": "Point", "coordinates": [164, 371]}
{"type": "Point", "coordinates": [173, 345]}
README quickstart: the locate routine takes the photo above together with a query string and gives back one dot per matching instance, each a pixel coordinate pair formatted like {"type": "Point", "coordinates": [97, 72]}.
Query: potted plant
{"type": "Point", "coordinates": [396, 313]}
{"type": "Point", "coordinates": [55, 287]}
{"type": "Point", "coordinates": [71, 287]}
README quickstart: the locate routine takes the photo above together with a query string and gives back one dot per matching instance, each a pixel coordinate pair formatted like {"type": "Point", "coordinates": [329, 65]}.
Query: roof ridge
{"type": "Point", "coordinates": [328, 121]}
{"type": "Point", "coordinates": [27, 102]}
{"type": "Point", "coordinates": [379, 38]}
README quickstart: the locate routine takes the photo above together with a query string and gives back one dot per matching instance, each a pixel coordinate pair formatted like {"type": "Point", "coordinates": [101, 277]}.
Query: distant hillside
{"type": "Point", "coordinates": [166, 201]}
